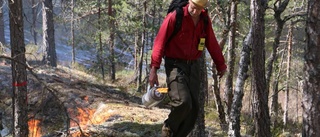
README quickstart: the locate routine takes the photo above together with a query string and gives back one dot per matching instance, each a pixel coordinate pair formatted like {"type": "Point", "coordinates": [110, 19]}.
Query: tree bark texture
{"type": "Point", "coordinates": [50, 55]}
{"type": "Point", "coordinates": [72, 32]}
{"type": "Point", "coordinates": [19, 74]}
{"type": "Point", "coordinates": [273, 59]}
{"type": "Point", "coordinates": [2, 38]}
{"type": "Point", "coordinates": [285, 114]}
{"type": "Point", "coordinates": [228, 91]}
{"type": "Point", "coordinates": [261, 111]}
{"type": "Point", "coordinates": [34, 21]}
{"type": "Point", "coordinates": [100, 52]}
{"type": "Point", "coordinates": [199, 130]}
{"type": "Point", "coordinates": [278, 10]}
{"type": "Point", "coordinates": [311, 90]}
{"type": "Point", "coordinates": [143, 37]}
{"type": "Point", "coordinates": [218, 101]}
{"type": "Point", "coordinates": [111, 42]}
{"type": "Point", "coordinates": [136, 58]}
{"type": "Point", "coordinates": [235, 113]}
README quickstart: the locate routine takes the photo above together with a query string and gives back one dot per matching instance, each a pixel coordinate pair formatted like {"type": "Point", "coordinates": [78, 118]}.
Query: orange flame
{"type": "Point", "coordinates": [83, 117]}
{"type": "Point", "coordinates": [34, 128]}
{"type": "Point", "coordinates": [86, 117]}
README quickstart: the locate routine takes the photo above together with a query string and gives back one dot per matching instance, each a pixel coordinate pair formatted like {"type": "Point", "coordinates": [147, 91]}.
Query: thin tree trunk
{"type": "Point", "coordinates": [235, 113]}
{"type": "Point", "coordinates": [199, 130]}
{"type": "Point", "coordinates": [139, 81]}
{"type": "Point", "coordinates": [19, 73]}
{"type": "Point", "coordinates": [100, 52]}
{"type": "Point", "coordinates": [285, 115]}
{"type": "Point", "coordinates": [34, 21]}
{"type": "Point", "coordinates": [50, 55]}
{"type": "Point", "coordinates": [311, 90]}
{"type": "Point", "coordinates": [136, 58]}
{"type": "Point", "coordinates": [138, 47]}
{"type": "Point", "coordinates": [261, 111]}
{"type": "Point", "coordinates": [111, 42]}
{"type": "Point", "coordinates": [216, 81]}
{"type": "Point", "coordinates": [72, 33]}
{"type": "Point", "coordinates": [231, 56]}
{"type": "Point", "coordinates": [278, 10]}
{"type": "Point", "coordinates": [273, 59]}
{"type": "Point", "coordinates": [2, 38]}
{"type": "Point", "coordinates": [218, 101]}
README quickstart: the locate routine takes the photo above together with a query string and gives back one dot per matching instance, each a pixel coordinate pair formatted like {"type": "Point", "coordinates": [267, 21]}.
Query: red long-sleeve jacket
{"type": "Point", "coordinates": [185, 44]}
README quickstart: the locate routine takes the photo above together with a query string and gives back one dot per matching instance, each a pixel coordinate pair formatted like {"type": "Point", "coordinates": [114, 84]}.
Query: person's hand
{"type": "Point", "coordinates": [153, 77]}
{"type": "Point", "coordinates": [221, 73]}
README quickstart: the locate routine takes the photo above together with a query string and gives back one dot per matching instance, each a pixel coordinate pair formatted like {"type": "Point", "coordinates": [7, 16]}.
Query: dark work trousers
{"type": "Point", "coordinates": [184, 84]}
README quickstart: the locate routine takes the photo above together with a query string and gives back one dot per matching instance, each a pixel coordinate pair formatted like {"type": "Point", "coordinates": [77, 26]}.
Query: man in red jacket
{"type": "Point", "coordinates": [181, 54]}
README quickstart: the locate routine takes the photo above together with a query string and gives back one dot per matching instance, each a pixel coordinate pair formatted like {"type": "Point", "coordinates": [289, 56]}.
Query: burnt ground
{"type": "Point", "coordinates": [62, 99]}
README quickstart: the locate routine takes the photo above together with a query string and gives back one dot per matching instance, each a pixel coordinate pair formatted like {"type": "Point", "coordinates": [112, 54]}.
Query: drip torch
{"type": "Point", "coordinates": [153, 96]}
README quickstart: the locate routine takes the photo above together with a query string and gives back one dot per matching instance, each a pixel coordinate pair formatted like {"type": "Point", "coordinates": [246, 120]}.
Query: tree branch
{"type": "Point", "coordinates": [297, 14]}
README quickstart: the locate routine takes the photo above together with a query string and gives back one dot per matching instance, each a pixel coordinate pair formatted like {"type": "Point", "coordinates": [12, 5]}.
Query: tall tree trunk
{"type": "Point", "coordinates": [231, 56]}
{"type": "Point", "coordinates": [279, 8]}
{"type": "Point", "coordinates": [19, 74]}
{"type": "Point", "coordinates": [143, 35]}
{"type": "Point", "coordinates": [72, 33]}
{"type": "Point", "coordinates": [285, 114]}
{"type": "Point", "coordinates": [216, 81]}
{"type": "Point", "coordinates": [111, 42]}
{"type": "Point", "coordinates": [34, 21]}
{"type": "Point", "coordinates": [261, 111]}
{"type": "Point", "coordinates": [2, 38]}
{"type": "Point", "coordinates": [138, 47]}
{"type": "Point", "coordinates": [199, 130]}
{"type": "Point", "coordinates": [235, 113]}
{"type": "Point", "coordinates": [50, 55]}
{"type": "Point", "coordinates": [100, 52]}
{"type": "Point", "coordinates": [136, 57]}
{"type": "Point", "coordinates": [311, 90]}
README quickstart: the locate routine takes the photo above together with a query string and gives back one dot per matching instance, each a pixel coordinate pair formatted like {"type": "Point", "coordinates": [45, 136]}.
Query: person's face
{"type": "Point", "coordinates": [194, 10]}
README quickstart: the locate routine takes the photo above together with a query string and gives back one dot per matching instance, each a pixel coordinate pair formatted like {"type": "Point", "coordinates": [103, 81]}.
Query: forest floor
{"type": "Point", "coordinates": [64, 100]}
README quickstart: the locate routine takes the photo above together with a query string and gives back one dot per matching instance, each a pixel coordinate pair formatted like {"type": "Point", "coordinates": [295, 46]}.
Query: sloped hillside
{"type": "Point", "coordinates": [61, 99]}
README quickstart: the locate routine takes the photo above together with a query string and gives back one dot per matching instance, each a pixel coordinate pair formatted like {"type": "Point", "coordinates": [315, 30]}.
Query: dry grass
{"type": "Point", "coordinates": [129, 117]}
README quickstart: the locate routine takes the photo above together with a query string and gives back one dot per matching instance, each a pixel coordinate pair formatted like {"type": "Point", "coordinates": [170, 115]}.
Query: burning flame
{"type": "Point", "coordinates": [86, 116]}
{"type": "Point", "coordinates": [34, 128]}
{"type": "Point", "coordinates": [83, 117]}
